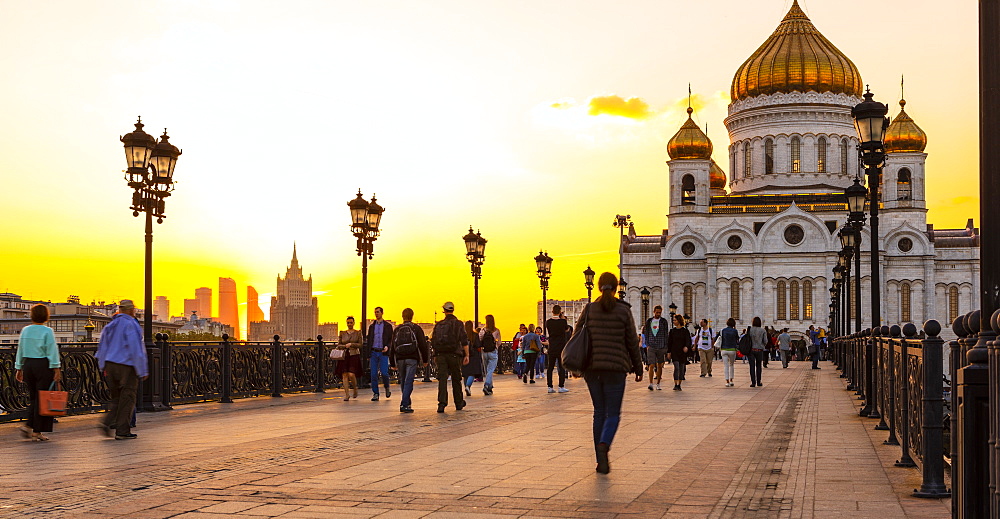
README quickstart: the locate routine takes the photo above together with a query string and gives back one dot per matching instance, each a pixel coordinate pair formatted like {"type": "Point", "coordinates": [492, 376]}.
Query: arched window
{"type": "Point", "coordinates": [734, 300]}
{"type": "Point", "coordinates": [904, 303]}
{"type": "Point", "coordinates": [904, 189]}
{"type": "Point", "coordinates": [844, 145]}
{"type": "Point", "coordinates": [796, 164]}
{"type": "Point", "coordinates": [688, 301]}
{"type": "Point", "coordinates": [793, 301]}
{"type": "Point", "coordinates": [807, 300]}
{"type": "Point", "coordinates": [782, 301]}
{"type": "Point", "coordinates": [732, 161]}
{"type": "Point", "coordinates": [769, 156]}
{"type": "Point", "coordinates": [952, 304]}
{"type": "Point", "coordinates": [687, 189]}
{"type": "Point", "coordinates": [747, 160]}
{"type": "Point", "coordinates": [821, 155]}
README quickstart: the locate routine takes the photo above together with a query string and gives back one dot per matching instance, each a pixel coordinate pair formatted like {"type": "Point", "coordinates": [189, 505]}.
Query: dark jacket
{"type": "Point", "coordinates": [558, 334]}
{"type": "Point", "coordinates": [614, 343]}
{"type": "Point", "coordinates": [730, 338]}
{"type": "Point", "coordinates": [660, 340]}
{"type": "Point", "coordinates": [677, 340]}
{"type": "Point", "coordinates": [422, 354]}
{"type": "Point", "coordinates": [386, 336]}
{"type": "Point", "coordinates": [458, 331]}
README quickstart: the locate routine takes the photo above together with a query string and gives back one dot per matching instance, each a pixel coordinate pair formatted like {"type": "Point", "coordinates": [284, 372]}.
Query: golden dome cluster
{"type": "Point", "coordinates": [903, 135]}
{"type": "Point", "coordinates": [796, 58]}
{"type": "Point", "coordinates": [690, 142]}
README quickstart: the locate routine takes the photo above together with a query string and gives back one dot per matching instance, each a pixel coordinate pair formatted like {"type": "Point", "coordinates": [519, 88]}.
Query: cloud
{"type": "Point", "coordinates": [632, 108]}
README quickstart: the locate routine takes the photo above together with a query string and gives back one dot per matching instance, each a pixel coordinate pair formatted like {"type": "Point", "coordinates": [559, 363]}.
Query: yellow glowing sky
{"type": "Point", "coordinates": [516, 117]}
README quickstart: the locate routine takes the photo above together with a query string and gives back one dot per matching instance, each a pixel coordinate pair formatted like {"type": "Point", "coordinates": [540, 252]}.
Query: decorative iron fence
{"type": "Point", "coordinates": [900, 376]}
{"type": "Point", "coordinates": [186, 372]}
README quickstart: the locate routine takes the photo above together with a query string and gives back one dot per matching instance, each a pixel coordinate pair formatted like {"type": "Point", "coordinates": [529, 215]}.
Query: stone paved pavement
{"type": "Point", "coordinates": [794, 448]}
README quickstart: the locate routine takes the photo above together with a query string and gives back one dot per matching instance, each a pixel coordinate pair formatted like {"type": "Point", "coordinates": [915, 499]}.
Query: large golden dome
{"type": "Point", "coordinates": [903, 134]}
{"type": "Point", "coordinates": [689, 142]}
{"type": "Point", "coordinates": [716, 177]}
{"type": "Point", "coordinates": [796, 58]}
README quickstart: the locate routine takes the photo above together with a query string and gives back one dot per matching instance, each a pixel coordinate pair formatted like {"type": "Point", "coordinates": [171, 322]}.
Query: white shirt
{"type": "Point", "coordinates": [705, 338]}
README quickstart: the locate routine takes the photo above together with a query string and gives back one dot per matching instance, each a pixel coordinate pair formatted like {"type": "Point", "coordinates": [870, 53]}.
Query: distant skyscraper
{"type": "Point", "coordinates": [161, 309]}
{"type": "Point", "coordinates": [254, 313]}
{"type": "Point", "coordinates": [295, 312]}
{"type": "Point", "coordinates": [229, 313]}
{"type": "Point", "coordinates": [191, 306]}
{"type": "Point", "coordinates": [204, 297]}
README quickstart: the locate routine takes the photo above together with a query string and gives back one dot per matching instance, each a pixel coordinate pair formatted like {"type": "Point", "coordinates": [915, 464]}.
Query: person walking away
{"type": "Point", "coordinates": [516, 346]}
{"type": "Point", "coordinates": [822, 344]}
{"type": "Point", "coordinates": [489, 337]}
{"type": "Point", "coordinates": [378, 340]}
{"type": "Point", "coordinates": [614, 353]}
{"type": "Point", "coordinates": [656, 329]}
{"type": "Point", "coordinates": [451, 350]}
{"type": "Point", "coordinates": [558, 329]}
{"type": "Point", "coordinates": [542, 354]}
{"type": "Point", "coordinates": [758, 341]}
{"type": "Point", "coordinates": [37, 365]}
{"type": "Point", "coordinates": [730, 338]}
{"type": "Point", "coordinates": [678, 346]}
{"type": "Point", "coordinates": [474, 369]}
{"type": "Point", "coordinates": [531, 346]}
{"type": "Point", "coordinates": [407, 351]}
{"type": "Point", "coordinates": [814, 348]}
{"type": "Point", "coordinates": [784, 347]}
{"type": "Point", "coordinates": [121, 355]}
{"type": "Point", "coordinates": [349, 368]}
{"type": "Point", "coordinates": [705, 342]}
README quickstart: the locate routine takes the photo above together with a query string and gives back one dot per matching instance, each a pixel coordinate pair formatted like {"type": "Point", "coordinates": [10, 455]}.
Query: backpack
{"type": "Point", "coordinates": [405, 341]}
{"type": "Point", "coordinates": [745, 344]}
{"type": "Point", "coordinates": [489, 342]}
{"type": "Point", "coordinates": [445, 339]}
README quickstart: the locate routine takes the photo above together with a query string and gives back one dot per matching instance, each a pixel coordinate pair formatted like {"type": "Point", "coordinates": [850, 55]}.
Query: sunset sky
{"type": "Point", "coordinates": [533, 121]}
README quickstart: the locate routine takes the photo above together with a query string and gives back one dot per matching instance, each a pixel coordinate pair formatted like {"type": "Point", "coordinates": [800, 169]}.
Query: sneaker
{"type": "Point", "coordinates": [679, 388]}
{"type": "Point", "coordinates": [650, 387]}
{"type": "Point", "coordinates": [701, 376]}
{"type": "Point", "coordinates": [524, 379]}
{"type": "Point", "coordinates": [676, 387]}
{"type": "Point", "coordinates": [563, 390]}
{"type": "Point", "coordinates": [441, 408]}
{"type": "Point", "coordinates": [658, 388]}
{"type": "Point", "coordinates": [532, 381]}
{"type": "Point", "coordinates": [389, 393]}
{"type": "Point", "coordinates": [459, 406]}
{"type": "Point", "coordinates": [405, 409]}
{"type": "Point", "coordinates": [129, 436]}
{"type": "Point", "coordinates": [710, 374]}
{"type": "Point", "coordinates": [486, 391]}
{"type": "Point", "coordinates": [375, 398]}
{"type": "Point", "coordinates": [603, 466]}
{"type": "Point", "coordinates": [552, 390]}
{"type": "Point", "coordinates": [468, 390]}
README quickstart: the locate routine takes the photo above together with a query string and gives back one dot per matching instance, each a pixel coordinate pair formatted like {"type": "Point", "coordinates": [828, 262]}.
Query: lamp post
{"type": "Point", "coordinates": [365, 219]}
{"type": "Point", "coordinates": [644, 296]}
{"type": "Point", "coordinates": [544, 264]}
{"type": "Point", "coordinates": [871, 124]}
{"type": "Point", "coordinates": [621, 222]}
{"type": "Point", "coordinates": [673, 312]}
{"type": "Point", "coordinates": [622, 285]}
{"type": "Point", "coordinates": [588, 281]}
{"type": "Point", "coordinates": [150, 174]}
{"type": "Point", "coordinates": [475, 252]}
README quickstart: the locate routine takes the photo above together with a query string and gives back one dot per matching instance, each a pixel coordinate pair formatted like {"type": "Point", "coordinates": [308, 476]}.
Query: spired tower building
{"type": "Point", "coordinates": [767, 247]}
{"type": "Point", "coordinates": [294, 311]}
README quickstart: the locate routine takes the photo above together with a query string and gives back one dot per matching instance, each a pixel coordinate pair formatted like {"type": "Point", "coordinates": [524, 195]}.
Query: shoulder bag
{"type": "Point", "coordinates": [576, 355]}
{"type": "Point", "coordinates": [53, 401]}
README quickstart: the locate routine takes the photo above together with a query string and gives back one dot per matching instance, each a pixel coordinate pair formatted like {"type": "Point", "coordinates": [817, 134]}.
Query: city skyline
{"type": "Point", "coordinates": [519, 103]}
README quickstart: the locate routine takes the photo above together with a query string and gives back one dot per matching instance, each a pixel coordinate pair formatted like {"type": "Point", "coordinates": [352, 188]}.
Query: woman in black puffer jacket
{"type": "Point", "coordinates": [614, 353]}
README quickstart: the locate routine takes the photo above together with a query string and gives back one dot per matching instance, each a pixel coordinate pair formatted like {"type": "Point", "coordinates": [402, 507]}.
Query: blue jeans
{"type": "Point", "coordinates": [607, 388]}
{"type": "Point", "coordinates": [491, 359]}
{"type": "Point", "coordinates": [379, 365]}
{"type": "Point", "coordinates": [407, 369]}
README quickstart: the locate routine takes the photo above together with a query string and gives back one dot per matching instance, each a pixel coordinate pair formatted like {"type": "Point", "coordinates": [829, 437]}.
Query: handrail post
{"type": "Point", "coordinates": [932, 445]}
{"type": "Point", "coordinates": [227, 370]}
{"type": "Point", "coordinates": [892, 440]}
{"type": "Point", "coordinates": [166, 366]}
{"type": "Point", "coordinates": [971, 479]}
{"type": "Point", "coordinates": [905, 460]}
{"type": "Point", "coordinates": [276, 368]}
{"type": "Point", "coordinates": [320, 366]}
{"type": "Point", "coordinates": [882, 395]}
{"type": "Point", "coordinates": [994, 353]}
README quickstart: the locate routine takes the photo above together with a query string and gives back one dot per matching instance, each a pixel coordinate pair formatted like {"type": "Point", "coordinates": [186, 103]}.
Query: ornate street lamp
{"type": "Point", "coordinates": [365, 219]}
{"type": "Point", "coordinates": [150, 174]}
{"type": "Point", "coordinates": [871, 123]}
{"type": "Point", "coordinates": [673, 312]}
{"type": "Point", "coordinates": [543, 262]}
{"type": "Point", "coordinates": [588, 281]}
{"type": "Point", "coordinates": [621, 222]}
{"type": "Point", "coordinates": [644, 296]}
{"type": "Point", "coordinates": [622, 285]}
{"type": "Point", "coordinates": [475, 252]}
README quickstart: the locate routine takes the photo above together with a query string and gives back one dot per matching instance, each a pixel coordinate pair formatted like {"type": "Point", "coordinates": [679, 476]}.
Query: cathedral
{"type": "Point", "coordinates": [767, 247]}
{"type": "Point", "coordinates": [294, 311]}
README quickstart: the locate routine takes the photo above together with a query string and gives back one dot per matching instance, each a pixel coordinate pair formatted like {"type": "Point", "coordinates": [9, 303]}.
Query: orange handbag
{"type": "Point", "coordinates": [53, 401]}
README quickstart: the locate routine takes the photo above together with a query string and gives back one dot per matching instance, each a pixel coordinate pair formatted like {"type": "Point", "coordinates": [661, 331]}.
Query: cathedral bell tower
{"type": "Point", "coordinates": [903, 176]}
{"type": "Point", "coordinates": [694, 176]}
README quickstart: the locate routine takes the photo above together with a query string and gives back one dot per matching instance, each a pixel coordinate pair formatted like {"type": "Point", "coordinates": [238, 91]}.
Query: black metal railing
{"type": "Point", "coordinates": [197, 371]}
{"type": "Point", "coordinates": [900, 375]}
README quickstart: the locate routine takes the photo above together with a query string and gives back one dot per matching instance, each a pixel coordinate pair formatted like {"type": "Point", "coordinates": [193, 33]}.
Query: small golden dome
{"type": "Point", "coordinates": [716, 177]}
{"type": "Point", "coordinates": [690, 142]}
{"type": "Point", "coordinates": [903, 134]}
{"type": "Point", "coordinates": [796, 58]}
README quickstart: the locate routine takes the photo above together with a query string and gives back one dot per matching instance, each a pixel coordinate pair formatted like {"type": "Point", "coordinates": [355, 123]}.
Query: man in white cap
{"type": "Point", "coordinates": [121, 354]}
{"type": "Point", "coordinates": [451, 352]}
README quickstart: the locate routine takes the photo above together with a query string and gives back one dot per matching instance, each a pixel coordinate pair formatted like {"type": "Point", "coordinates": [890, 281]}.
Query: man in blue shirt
{"type": "Point", "coordinates": [121, 355]}
{"type": "Point", "coordinates": [378, 340]}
